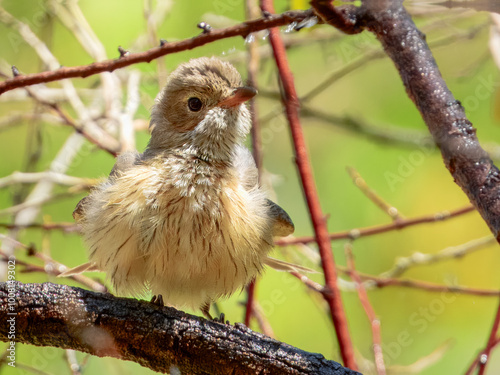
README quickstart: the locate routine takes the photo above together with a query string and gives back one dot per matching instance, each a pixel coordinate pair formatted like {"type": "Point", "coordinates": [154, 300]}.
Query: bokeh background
{"type": "Point", "coordinates": [423, 332]}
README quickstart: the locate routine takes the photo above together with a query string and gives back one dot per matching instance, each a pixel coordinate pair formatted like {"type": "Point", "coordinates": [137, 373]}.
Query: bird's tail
{"type": "Point", "coordinates": [281, 265]}
{"type": "Point", "coordinates": [87, 267]}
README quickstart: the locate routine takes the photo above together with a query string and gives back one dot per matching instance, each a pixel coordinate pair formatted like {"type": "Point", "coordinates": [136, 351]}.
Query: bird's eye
{"type": "Point", "coordinates": [194, 104]}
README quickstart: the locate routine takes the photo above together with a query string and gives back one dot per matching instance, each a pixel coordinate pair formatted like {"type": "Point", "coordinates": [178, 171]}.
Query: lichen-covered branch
{"type": "Point", "coordinates": [160, 338]}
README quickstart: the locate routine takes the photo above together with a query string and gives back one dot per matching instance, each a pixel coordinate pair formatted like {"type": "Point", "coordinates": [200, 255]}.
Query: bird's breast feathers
{"type": "Point", "coordinates": [176, 223]}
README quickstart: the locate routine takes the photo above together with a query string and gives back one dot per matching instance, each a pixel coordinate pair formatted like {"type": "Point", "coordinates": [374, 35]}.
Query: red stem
{"type": "Point", "coordinates": [491, 341]}
{"type": "Point", "coordinates": [321, 232]}
{"type": "Point", "coordinates": [370, 313]}
{"type": "Point", "coordinates": [249, 305]}
{"type": "Point", "coordinates": [477, 361]}
{"type": "Point", "coordinates": [252, 11]}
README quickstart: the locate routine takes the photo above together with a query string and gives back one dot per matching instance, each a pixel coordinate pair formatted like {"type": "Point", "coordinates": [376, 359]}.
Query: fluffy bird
{"type": "Point", "coordinates": [187, 218]}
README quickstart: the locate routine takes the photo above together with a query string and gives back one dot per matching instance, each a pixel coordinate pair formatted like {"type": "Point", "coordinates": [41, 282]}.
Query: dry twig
{"type": "Point", "coordinates": [84, 71]}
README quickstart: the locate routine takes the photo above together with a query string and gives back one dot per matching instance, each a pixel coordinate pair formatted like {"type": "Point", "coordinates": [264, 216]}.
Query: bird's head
{"type": "Point", "coordinates": [201, 110]}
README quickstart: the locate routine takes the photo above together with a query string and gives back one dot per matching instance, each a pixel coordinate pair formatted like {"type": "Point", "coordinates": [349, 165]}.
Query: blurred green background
{"type": "Point", "coordinates": [414, 323]}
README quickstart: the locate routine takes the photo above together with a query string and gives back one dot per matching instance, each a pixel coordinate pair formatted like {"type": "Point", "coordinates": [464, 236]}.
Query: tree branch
{"type": "Point", "coordinates": [356, 233]}
{"type": "Point", "coordinates": [160, 338]}
{"type": "Point", "coordinates": [242, 29]}
{"type": "Point", "coordinates": [445, 117]}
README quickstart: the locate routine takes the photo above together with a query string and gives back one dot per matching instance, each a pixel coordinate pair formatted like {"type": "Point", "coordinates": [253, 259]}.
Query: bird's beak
{"type": "Point", "coordinates": [239, 95]}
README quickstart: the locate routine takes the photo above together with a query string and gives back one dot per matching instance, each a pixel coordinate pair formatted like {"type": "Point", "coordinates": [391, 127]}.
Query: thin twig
{"type": "Point", "coordinates": [51, 61]}
{"type": "Point", "coordinates": [309, 283]}
{"type": "Point", "coordinates": [453, 252]}
{"type": "Point", "coordinates": [65, 227]}
{"type": "Point", "coordinates": [372, 281]}
{"type": "Point", "coordinates": [425, 362]}
{"type": "Point", "coordinates": [480, 358]}
{"type": "Point", "coordinates": [51, 267]}
{"type": "Point", "coordinates": [249, 306]}
{"type": "Point", "coordinates": [155, 17]}
{"type": "Point", "coordinates": [44, 189]}
{"type": "Point", "coordinates": [382, 282]}
{"type": "Point", "coordinates": [370, 312]}
{"type": "Point", "coordinates": [383, 134]}
{"type": "Point", "coordinates": [372, 195]}
{"type": "Point", "coordinates": [342, 72]}
{"type": "Point", "coordinates": [126, 119]}
{"type": "Point", "coordinates": [71, 16]}
{"type": "Point", "coordinates": [253, 63]}
{"type": "Point", "coordinates": [370, 56]}
{"type": "Point", "coordinates": [264, 325]}
{"type": "Point", "coordinates": [242, 29]}
{"type": "Point", "coordinates": [491, 342]}
{"type": "Point", "coordinates": [35, 203]}
{"type": "Point", "coordinates": [72, 361]}
{"type": "Point", "coordinates": [56, 268]}
{"type": "Point", "coordinates": [370, 231]}
{"type": "Point", "coordinates": [16, 119]}
{"type": "Point", "coordinates": [57, 178]}
{"type": "Point", "coordinates": [93, 134]}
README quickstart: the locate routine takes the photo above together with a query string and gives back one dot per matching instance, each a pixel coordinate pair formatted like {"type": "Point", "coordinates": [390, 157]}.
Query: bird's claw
{"type": "Point", "coordinates": [220, 319]}
{"type": "Point", "coordinates": [157, 300]}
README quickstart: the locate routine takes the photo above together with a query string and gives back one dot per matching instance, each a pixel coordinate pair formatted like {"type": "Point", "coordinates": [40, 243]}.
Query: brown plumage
{"type": "Point", "coordinates": [186, 219]}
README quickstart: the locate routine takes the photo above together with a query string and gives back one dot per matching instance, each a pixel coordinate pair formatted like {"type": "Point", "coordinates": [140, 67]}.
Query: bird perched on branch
{"type": "Point", "coordinates": [187, 218]}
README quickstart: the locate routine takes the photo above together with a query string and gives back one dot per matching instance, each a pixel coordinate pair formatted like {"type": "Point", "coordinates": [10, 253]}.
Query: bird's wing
{"type": "Point", "coordinates": [282, 224]}
{"type": "Point", "coordinates": [245, 165]}
{"type": "Point", "coordinates": [87, 267]}
{"type": "Point", "coordinates": [123, 162]}
{"type": "Point", "coordinates": [78, 212]}
{"type": "Point", "coordinates": [249, 176]}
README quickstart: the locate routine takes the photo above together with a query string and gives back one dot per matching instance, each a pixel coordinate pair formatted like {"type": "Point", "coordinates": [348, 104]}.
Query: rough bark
{"type": "Point", "coordinates": [470, 166]}
{"type": "Point", "coordinates": [161, 338]}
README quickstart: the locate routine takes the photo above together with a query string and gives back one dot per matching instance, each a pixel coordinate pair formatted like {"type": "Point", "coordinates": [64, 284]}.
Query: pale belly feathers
{"type": "Point", "coordinates": [191, 239]}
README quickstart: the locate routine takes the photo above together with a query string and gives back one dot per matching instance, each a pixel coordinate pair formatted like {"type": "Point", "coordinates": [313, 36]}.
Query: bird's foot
{"type": "Point", "coordinates": [205, 309]}
{"type": "Point", "coordinates": [220, 319]}
{"type": "Point", "coordinates": [157, 300]}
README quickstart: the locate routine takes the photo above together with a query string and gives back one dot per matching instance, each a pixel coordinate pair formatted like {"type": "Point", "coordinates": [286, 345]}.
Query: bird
{"type": "Point", "coordinates": [187, 219]}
